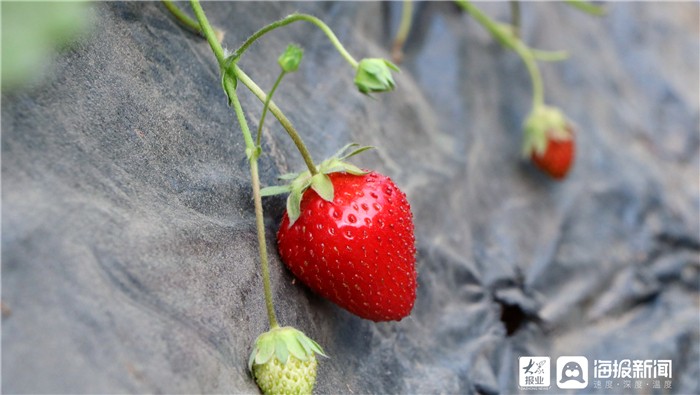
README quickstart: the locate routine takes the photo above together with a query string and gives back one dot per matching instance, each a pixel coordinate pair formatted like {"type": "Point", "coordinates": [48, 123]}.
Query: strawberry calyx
{"type": "Point", "coordinates": [544, 123]}
{"type": "Point", "coordinates": [373, 75]}
{"type": "Point", "coordinates": [320, 182]}
{"type": "Point", "coordinates": [281, 343]}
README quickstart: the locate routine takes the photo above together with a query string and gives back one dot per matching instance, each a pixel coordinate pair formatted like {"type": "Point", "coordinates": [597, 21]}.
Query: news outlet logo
{"type": "Point", "coordinates": [572, 372]}
{"type": "Point", "coordinates": [534, 372]}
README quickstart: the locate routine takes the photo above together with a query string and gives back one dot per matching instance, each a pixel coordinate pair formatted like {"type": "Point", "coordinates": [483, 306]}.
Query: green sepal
{"type": "Point", "coordinates": [281, 350]}
{"type": "Point", "coordinates": [266, 349]}
{"type": "Point", "coordinates": [342, 155]}
{"type": "Point", "coordinates": [275, 190]}
{"type": "Point", "coordinates": [544, 123]}
{"type": "Point", "coordinates": [341, 151]}
{"type": "Point", "coordinates": [294, 205]}
{"type": "Point", "coordinates": [280, 343]}
{"type": "Point", "coordinates": [374, 75]}
{"type": "Point", "coordinates": [288, 176]}
{"type": "Point", "coordinates": [295, 348]}
{"type": "Point", "coordinates": [354, 170]}
{"type": "Point", "coordinates": [322, 184]}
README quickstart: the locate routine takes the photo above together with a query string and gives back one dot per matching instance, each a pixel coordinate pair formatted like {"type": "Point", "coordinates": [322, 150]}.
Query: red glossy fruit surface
{"type": "Point", "coordinates": [557, 158]}
{"type": "Point", "coordinates": [357, 251]}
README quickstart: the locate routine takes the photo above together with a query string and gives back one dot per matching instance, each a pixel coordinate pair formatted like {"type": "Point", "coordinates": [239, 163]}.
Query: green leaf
{"type": "Point", "coordinates": [322, 184]}
{"type": "Point", "coordinates": [275, 190]}
{"type": "Point", "coordinates": [33, 32]}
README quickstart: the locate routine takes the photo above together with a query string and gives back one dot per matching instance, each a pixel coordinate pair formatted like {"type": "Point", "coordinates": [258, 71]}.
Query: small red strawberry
{"type": "Point", "coordinates": [355, 246]}
{"type": "Point", "coordinates": [557, 157]}
{"type": "Point", "coordinates": [549, 141]}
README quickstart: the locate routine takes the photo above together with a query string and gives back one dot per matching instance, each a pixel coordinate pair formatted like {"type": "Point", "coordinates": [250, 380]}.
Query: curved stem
{"type": "Point", "coordinates": [531, 65]}
{"type": "Point", "coordinates": [183, 18]}
{"type": "Point", "coordinates": [284, 121]}
{"type": "Point", "coordinates": [291, 19]}
{"type": "Point", "coordinates": [513, 43]}
{"type": "Point", "coordinates": [404, 29]}
{"type": "Point", "coordinates": [515, 16]}
{"type": "Point", "coordinates": [486, 22]}
{"type": "Point", "coordinates": [188, 22]}
{"type": "Point", "coordinates": [267, 104]}
{"type": "Point", "coordinates": [250, 147]}
{"type": "Point", "coordinates": [243, 77]}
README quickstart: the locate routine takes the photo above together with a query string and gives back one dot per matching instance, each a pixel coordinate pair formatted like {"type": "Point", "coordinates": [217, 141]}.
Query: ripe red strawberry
{"type": "Point", "coordinates": [549, 141]}
{"type": "Point", "coordinates": [557, 157]}
{"type": "Point", "coordinates": [357, 250]}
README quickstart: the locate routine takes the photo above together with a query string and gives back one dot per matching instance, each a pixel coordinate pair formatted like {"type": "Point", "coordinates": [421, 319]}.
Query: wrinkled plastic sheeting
{"type": "Point", "coordinates": [129, 255]}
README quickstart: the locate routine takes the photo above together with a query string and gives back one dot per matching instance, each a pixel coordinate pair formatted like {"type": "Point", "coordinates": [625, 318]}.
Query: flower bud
{"type": "Point", "coordinates": [290, 59]}
{"type": "Point", "coordinates": [374, 75]}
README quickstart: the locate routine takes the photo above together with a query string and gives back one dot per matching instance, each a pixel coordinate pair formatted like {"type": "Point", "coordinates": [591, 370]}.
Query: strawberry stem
{"type": "Point", "coordinates": [288, 20]}
{"type": "Point", "coordinates": [259, 220]}
{"type": "Point", "coordinates": [188, 22]}
{"type": "Point", "coordinates": [529, 60]}
{"type": "Point", "coordinates": [402, 33]}
{"type": "Point", "coordinates": [252, 158]}
{"type": "Point", "coordinates": [283, 120]}
{"type": "Point", "coordinates": [249, 83]}
{"type": "Point", "coordinates": [182, 17]}
{"type": "Point", "coordinates": [515, 17]}
{"type": "Point", "coordinates": [267, 104]}
{"type": "Point", "coordinates": [508, 38]}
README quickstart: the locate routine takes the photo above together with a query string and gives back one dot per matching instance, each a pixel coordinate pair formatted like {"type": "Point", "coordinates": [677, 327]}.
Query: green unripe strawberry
{"type": "Point", "coordinates": [294, 377]}
{"type": "Point", "coordinates": [283, 361]}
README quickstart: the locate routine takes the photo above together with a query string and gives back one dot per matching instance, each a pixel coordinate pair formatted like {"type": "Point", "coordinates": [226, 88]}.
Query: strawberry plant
{"type": "Point", "coordinates": [377, 280]}
{"type": "Point", "coordinates": [549, 137]}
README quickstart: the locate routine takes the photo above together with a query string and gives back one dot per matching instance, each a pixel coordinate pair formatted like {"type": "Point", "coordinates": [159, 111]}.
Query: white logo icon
{"type": "Point", "coordinates": [534, 372]}
{"type": "Point", "coordinates": [572, 372]}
